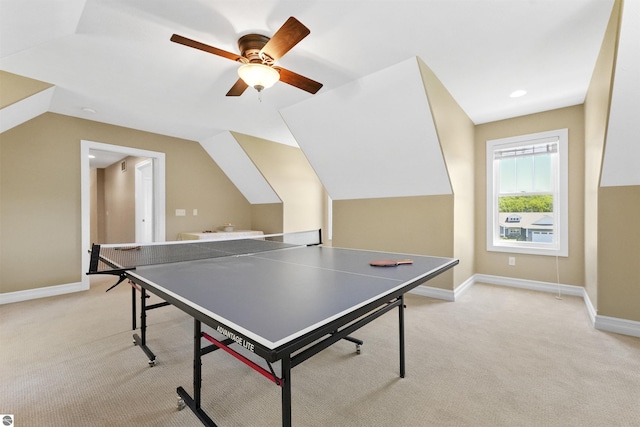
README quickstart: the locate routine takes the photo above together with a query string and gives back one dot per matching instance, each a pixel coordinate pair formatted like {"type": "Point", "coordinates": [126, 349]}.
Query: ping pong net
{"type": "Point", "coordinates": [117, 258]}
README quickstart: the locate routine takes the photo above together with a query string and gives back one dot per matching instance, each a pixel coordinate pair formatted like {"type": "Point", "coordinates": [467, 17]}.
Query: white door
{"type": "Point", "coordinates": [144, 202]}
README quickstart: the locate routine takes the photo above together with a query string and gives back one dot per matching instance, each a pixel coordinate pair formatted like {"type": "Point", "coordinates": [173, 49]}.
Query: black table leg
{"type": "Point", "coordinates": [183, 397]}
{"type": "Point", "coordinates": [142, 340]}
{"type": "Point", "coordinates": [286, 391]}
{"type": "Point", "coordinates": [197, 362]}
{"type": "Point", "coordinates": [401, 326]}
{"type": "Point", "coordinates": [133, 308]}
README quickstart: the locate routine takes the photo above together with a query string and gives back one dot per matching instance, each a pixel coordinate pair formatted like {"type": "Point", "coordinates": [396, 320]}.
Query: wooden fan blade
{"type": "Point", "coordinates": [289, 35]}
{"type": "Point", "coordinates": [301, 82]}
{"type": "Point", "coordinates": [205, 47]}
{"type": "Point", "coordinates": [238, 88]}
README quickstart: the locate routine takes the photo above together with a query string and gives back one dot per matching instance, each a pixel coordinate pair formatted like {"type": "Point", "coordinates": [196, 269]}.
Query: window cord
{"type": "Point", "coordinates": [559, 296]}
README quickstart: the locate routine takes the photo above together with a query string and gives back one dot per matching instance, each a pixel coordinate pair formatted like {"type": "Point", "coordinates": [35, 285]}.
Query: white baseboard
{"type": "Point", "coordinates": [533, 285]}
{"type": "Point", "coordinates": [602, 323]}
{"type": "Point", "coordinates": [591, 310]}
{"type": "Point", "coordinates": [619, 326]}
{"type": "Point", "coordinates": [443, 294]}
{"type": "Point", "coordinates": [464, 287]}
{"type": "Point", "coordinates": [437, 293]}
{"type": "Point", "coordinates": [48, 291]}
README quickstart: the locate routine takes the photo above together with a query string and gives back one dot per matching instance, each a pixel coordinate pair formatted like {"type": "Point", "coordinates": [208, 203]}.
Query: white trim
{"type": "Point", "coordinates": [466, 285]}
{"type": "Point", "coordinates": [591, 310]}
{"type": "Point", "coordinates": [443, 294]}
{"type": "Point", "coordinates": [431, 292]}
{"type": "Point", "coordinates": [47, 291]}
{"type": "Point", "coordinates": [24, 110]}
{"type": "Point", "coordinates": [140, 201]}
{"type": "Point", "coordinates": [599, 322]}
{"type": "Point", "coordinates": [617, 325]}
{"type": "Point", "coordinates": [533, 285]}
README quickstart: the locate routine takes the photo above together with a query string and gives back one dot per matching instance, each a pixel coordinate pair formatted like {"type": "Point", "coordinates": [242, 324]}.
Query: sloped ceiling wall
{"type": "Point", "coordinates": [20, 112]}
{"type": "Point", "coordinates": [22, 99]}
{"type": "Point", "coordinates": [364, 115]}
{"type": "Point", "coordinates": [372, 138]}
{"type": "Point", "coordinates": [232, 159]}
{"type": "Point", "coordinates": [622, 149]}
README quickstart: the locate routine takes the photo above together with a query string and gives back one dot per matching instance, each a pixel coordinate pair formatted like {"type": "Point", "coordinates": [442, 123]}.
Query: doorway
{"type": "Point", "coordinates": [144, 202]}
{"type": "Point", "coordinates": [157, 199]}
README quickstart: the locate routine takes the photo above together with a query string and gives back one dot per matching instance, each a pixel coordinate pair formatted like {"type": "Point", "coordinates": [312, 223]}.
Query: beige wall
{"type": "Point", "coordinates": [596, 113]}
{"type": "Point", "coordinates": [40, 195]}
{"type": "Point", "coordinates": [292, 178]}
{"type": "Point", "coordinates": [194, 181]}
{"type": "Point", "coordinates": [267, 217]}
{"type": "Point", "coordinates": [14, 88]}
{"type": "Point", "coordinates": [456, 133]}
{"type": "Point", "coordinates": [619, 252]}
{"type": "Point", "coordinates": [1, 236]}
{"type": "Point", "coordinates": [612, 254]}
{"type": "Point", "coordinates": [411, 225]}
{"type": "Point", "coordinates": [40, 207]}
{"type": "Point", "coordinates": [536, 267]}
{"type": "Point", "coordinates": [119, 209]}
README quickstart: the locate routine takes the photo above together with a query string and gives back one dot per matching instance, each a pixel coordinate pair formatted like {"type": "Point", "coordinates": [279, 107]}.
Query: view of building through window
{"type": "Point", "coordinates": [526, 178]}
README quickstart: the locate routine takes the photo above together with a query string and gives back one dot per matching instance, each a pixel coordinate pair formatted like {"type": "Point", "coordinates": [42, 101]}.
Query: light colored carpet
{"type": "Point", "coordinates": [495, 357]}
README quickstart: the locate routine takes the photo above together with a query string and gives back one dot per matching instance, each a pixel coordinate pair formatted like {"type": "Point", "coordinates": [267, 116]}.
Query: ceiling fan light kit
{"type": "Point", "coordinates": [258, 76]}
{"type": "Point", "coordinates": [258, 54]}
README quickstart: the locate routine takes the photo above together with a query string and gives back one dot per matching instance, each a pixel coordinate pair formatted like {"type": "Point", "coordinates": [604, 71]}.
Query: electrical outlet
{"type": "Point", "coordinates": [195, 212]}
{"type": "Point", "coordinates": [512, 260]}
{"type": "Point", "coordinates": [181, 212]}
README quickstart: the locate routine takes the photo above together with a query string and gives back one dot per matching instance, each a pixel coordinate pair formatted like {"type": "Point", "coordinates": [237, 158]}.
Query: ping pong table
{"type": "Point", "coordinates": [282, 301]}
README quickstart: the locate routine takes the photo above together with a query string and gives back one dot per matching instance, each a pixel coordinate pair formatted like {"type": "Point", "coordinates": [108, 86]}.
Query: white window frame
{"type": "Point", "coordinates": [561, 212]}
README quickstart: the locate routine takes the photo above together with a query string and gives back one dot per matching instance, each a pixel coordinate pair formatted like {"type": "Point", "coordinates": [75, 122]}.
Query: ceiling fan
{"type": "Point", "coordinates": [258, 54]}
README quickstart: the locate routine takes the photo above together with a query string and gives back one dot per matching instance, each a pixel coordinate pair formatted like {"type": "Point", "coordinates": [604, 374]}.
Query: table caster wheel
{"type": "Point", "coordinates": [181, 404]}
{"type": "Point", "coordinates": [152, 362]}
{"type": "Point", "coordinates": [357, 348]}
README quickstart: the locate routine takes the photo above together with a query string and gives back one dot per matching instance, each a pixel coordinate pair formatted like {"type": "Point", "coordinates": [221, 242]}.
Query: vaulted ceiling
{"type": "Point", "coordinates": [112, 60]}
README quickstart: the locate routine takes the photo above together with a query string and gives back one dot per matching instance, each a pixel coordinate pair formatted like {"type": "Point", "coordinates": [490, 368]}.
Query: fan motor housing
{"type": "Point", "coordinates": [250, 46]}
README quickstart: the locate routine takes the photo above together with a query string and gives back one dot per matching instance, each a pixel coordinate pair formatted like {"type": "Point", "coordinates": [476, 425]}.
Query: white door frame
{"type": "Point", "coordinates": [85, 191]}
{"type": "Point", "coordinates": [142, 199]}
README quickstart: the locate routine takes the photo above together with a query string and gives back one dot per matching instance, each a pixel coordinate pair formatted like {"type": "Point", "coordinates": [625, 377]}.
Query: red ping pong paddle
{"type": "Point", "coordinates": [390, 262]}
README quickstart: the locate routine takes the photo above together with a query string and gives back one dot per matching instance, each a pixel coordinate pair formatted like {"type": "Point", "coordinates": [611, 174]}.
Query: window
{"type": "Point", "coordinates": [527, 179]}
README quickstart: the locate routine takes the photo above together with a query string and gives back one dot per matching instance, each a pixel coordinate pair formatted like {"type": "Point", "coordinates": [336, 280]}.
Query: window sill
{"type": "Point", "coordinates": [529, 250]}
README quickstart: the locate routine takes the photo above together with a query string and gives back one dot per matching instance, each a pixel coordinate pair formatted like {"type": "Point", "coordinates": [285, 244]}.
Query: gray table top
{"type": "Point", "coordinates": [274, 297]}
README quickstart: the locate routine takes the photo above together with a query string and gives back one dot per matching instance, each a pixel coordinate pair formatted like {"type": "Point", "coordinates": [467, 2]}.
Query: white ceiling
{"type": "Point", "coordinates": [115, 57]}
{"type": "Point", "coordinates": [620, 163]}
{"type": "Point", "coordinates": [381, 123]}
{"type": "Point", "coordinates": [103, 159]}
